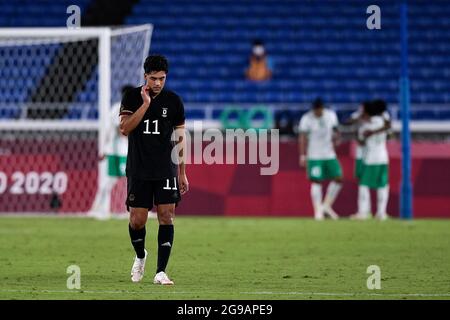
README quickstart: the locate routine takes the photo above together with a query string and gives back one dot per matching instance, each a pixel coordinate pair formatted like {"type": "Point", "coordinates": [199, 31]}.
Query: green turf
{"type": "Point", "coordinates": [228, 258]}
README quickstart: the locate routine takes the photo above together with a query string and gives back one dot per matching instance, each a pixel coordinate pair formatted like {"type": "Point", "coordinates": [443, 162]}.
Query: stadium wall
{"type": "Point", "coordinates": [240, 190]}
{"type": "Point", "coordinates": [230, 190]}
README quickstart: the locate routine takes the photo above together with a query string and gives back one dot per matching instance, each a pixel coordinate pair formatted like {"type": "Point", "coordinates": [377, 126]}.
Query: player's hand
{"type": "Point", "coordinates": [336, 142]}
{"type": "Point", "coordinates": [336, 139]}
{"type": "Point", "coordinates": [302, 161]}
{"type": "Point", "coordinates": [184, 184]}
{"type": "Point", "coordinates": [145, 95]}
{"type": "Point", "coordinates": [362, 142]}
{"type": "Point", "coordinates": [367, 133]}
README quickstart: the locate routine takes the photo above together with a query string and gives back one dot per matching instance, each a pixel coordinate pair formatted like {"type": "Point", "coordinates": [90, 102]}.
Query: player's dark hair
{"type": "Point", "coordinates": [258, 42]}
{"type": "Point", "coordinates": [318, 103]}
{"type": "Point", "coordinates": [375, 107]}
{"type": "Point", "coordinates": [156, 63]}
{"type": "Point", "coordinates": [365, 103]}
{"type": "Point", "coordinates": [380, 105]}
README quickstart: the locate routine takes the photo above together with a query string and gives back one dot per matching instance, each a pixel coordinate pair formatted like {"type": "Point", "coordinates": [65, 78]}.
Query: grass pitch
{"type": "Point", "coordinates": [228, 258]}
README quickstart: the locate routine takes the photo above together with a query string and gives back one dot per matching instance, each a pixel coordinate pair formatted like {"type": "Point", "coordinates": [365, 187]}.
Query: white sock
{"type": "Point", "coordinates": [382, 200]}
{"type": "Point", "coordinates": [363, 201]}
{"type": "Point", "coordinates": [332, 192]}
{"type": "Point", "coordinates": [316, 197]}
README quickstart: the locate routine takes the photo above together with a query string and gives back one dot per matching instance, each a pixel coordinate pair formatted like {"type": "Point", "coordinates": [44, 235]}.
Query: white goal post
{"type": "Point", "coordinates": [57, 90]}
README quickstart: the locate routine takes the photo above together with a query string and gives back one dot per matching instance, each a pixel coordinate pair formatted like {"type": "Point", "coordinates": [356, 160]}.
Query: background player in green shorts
{"type": "Point", "coordinates": [318, 134]}
{"type": "Point", "coordinates": [112, 162]}
{"type": "Point", "coordinates": [375, 160]}
{"type": "Point", "coordinates": [355, 120]}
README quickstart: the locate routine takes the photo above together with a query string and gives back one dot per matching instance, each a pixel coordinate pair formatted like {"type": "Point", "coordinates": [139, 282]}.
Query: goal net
{"type": "Point", "coordinates": [59, 94]}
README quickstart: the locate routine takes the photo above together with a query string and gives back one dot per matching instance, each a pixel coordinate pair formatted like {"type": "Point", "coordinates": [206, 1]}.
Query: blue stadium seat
{"type": "Point", "coordinates": [315, 51]}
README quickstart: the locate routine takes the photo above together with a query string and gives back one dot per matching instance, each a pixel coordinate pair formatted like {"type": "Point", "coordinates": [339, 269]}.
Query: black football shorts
{"type": "Point", "coordinates": [146, 193]}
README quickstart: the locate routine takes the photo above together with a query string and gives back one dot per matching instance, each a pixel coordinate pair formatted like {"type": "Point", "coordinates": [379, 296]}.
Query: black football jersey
{"type": "Point", "coordinates": [150, 143]}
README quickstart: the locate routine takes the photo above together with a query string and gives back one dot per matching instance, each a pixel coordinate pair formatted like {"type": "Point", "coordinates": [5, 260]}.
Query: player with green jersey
{"type": "Point", "coordinates": [318, 133]}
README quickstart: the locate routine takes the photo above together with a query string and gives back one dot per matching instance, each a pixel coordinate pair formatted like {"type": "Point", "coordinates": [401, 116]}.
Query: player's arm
{"type": "Point", "coordinates": [180, 136]}
{"type": "Point", "coordinates": [354, 118]}
{"type": "Point", "coordinates": [361, 142]}
{"type": "Point", "coordinates": [386, 127]}
{"type": "Point", "coordinates": [336, 136]}
{"type": "Point", "coordinates": [180, 139]}
{"type": "Point", "coordinates": [128, 122]}
{"type": "Point", "coordinates": [302, 145]}
{"type": "Point", "coordinates": [303, 129]}
{"type": "Point", "coordinates": [350, 122]}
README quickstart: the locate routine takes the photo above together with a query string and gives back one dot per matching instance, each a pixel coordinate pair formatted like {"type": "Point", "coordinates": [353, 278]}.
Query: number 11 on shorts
{"type": "Point", "coordinates": [167, 187]}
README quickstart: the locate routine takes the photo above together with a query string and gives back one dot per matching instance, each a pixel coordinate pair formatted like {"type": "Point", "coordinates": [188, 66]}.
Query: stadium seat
{"type": "Point", "coordinates": [314, 51]}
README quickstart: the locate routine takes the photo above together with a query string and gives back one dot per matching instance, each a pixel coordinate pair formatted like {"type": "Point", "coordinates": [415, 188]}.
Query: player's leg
{"type": "Point", "coordinates": [357, 173]}
{"type": "Point", "coordinates": [365, 183]}
{"type": "Point", "coordinates": [108, 191]}
{"type": "Point", "coordinates": [315, 172]}
{"type": "Point", "coordinates": [382, 201]}
{"type": "Point", "coordinates": [363, 203]}
{"type": "Point", "coordinates": [102, 204]}
{"type": "Point", "coordinates": [139, 200]}
{"type": "Point", "coordinates": [99, 204]}
{"type": "Point", "coordinates": [136, 229]}
{"type": "Point", "coordinates": [108, 177]}
{"type": "Point", "coordinates": [358, 169]}
{"type": "Point", "coordinates": [316, 197]}
{"type": "Point", "coordinates": [167, 195]}
{"type": "Point", "coordinates": [166, 213]}
{"type": "Point", "coordinates": [382, 192]}
{"type": "Point", "coordinates": [333, 171]}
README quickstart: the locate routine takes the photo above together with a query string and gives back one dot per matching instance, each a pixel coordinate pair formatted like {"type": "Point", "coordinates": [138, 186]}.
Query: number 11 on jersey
{"type": "Point", "coordinates": [147, 127]}
{"type": "Point", "coordinates": [167, 187]}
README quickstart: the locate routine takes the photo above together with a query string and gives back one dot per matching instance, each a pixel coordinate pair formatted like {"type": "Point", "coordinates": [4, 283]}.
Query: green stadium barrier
{"type": "Point", "coordinates": [245, 118]}
{"type": "Point", "coordinates": [226, 121]}
{"type": "Point", "coordinates": [250, 116]}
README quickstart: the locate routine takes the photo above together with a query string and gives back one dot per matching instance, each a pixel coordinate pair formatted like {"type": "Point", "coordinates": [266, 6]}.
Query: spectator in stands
{"type": "Point", "coordinates": [260, 66]}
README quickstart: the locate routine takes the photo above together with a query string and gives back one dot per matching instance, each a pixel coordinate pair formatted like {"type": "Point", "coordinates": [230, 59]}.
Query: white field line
{"type": "Point", "coordinates": [262, 293]}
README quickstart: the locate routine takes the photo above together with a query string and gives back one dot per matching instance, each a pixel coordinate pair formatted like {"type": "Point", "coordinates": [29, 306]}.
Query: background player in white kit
{"type": "Point", "coordinates": [112, 163]}
{"type": "Point", "coordinates": [375, 160]}
{"type": "Point", "coordinates": [318, 135]}
{"type": "Point", "coordinates": [356, 119]}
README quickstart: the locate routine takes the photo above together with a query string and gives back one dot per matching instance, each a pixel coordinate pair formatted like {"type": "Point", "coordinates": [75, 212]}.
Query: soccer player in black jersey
{"type": "Point", "coordinates": [150, 115]}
